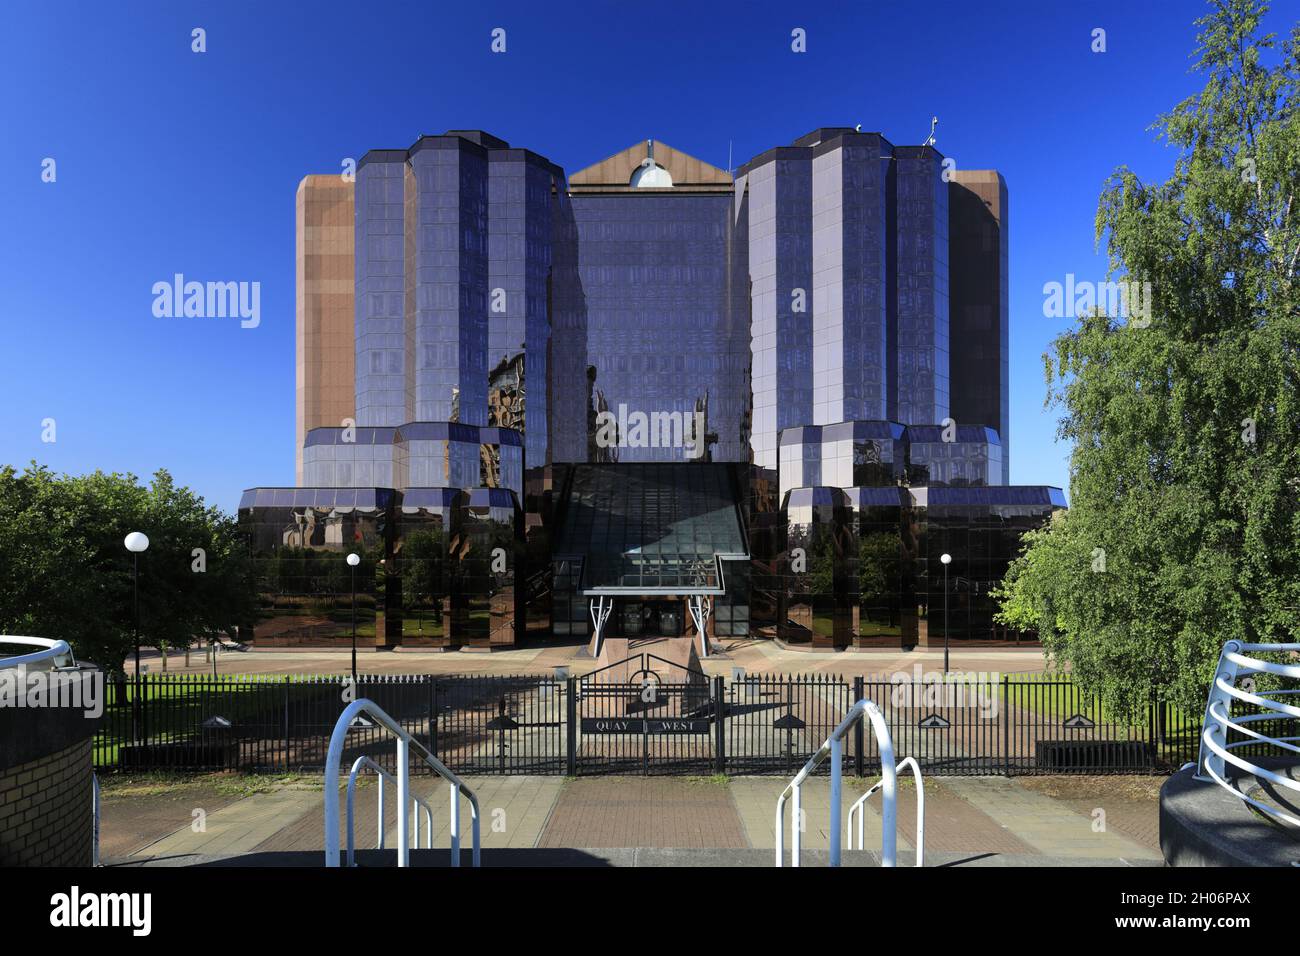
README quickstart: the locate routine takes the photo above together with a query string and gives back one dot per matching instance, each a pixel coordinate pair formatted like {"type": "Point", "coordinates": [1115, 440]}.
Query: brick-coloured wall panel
{"type": "Point", "coordinates": [45, 810]}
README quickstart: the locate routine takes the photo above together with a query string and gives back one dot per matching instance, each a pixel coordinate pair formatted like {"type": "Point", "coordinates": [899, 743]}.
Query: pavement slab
{"type": "Point", "coordinates": [238, 827]}
{"type": "Point", "coordinates": [132, 816]}
{"type": "Point", "coordinates": [1050, 826]}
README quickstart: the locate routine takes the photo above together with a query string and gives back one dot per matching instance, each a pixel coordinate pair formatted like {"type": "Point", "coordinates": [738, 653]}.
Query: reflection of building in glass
{"type": "Point", "coordinates": [650, 398]}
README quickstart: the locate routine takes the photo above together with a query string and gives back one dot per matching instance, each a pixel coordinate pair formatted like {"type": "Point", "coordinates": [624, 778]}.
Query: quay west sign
{"type": "Point", "coordinates": [644, 725]}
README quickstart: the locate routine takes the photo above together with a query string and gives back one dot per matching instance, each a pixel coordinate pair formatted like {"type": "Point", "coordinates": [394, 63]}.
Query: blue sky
{"type": "Point", "coordinates": [172, 161]}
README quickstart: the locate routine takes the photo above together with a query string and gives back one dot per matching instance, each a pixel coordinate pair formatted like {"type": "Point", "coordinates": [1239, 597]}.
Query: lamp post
{"type": "Point", "coordinates": [353, 560]}
{"type": "Point", "coordinates": [136, 542]}
{"type": "Point", "coordinates": [946, 559]}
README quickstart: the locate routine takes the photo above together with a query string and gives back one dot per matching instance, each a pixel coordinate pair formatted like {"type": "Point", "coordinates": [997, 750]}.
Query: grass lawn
{"type": "Point", "coordinates": [177, 705]}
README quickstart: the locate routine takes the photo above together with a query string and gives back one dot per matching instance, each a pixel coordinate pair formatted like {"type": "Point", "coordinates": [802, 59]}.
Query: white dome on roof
{"type": "Point", "coordinates": [651, 174]}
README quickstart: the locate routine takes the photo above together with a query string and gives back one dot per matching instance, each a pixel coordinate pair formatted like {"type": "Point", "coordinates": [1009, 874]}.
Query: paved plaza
{"type": "Point", "coordinates": [1016, 820]}
{"type": "Point", "coordinates": [1011, 821]}
{"type": "Point", "coordinates": [755, 656]}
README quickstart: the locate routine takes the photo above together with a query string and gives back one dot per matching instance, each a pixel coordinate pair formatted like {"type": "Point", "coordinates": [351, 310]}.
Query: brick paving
{"type": "Point", "coordinates": [644, 812]}
{"type": "Point", "coordinates": [954, 824]}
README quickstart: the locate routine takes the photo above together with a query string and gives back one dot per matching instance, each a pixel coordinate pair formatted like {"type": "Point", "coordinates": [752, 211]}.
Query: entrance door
{"type": "Point", "coordinates": [670, 620]}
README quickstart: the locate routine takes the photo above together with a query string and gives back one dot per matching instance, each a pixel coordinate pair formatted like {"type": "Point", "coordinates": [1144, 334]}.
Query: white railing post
{"type": "Point", "coordinates": [796, 827]}
{"type": "Point", "coordinates": [403, 802]}
{"type": "Point", "coordinates": [407, 803]}
{"type": "Point", "coordinates": [860, 809]}
{"type": "Point", "coordinates": [352, 790]}
{"type": "Point", "coordinates": [889, 813]}
{"type": "Point", "coordinates": [920, 811]}
{"type": "Point", "coordinates": [862, 819]}
{"type": "Point", "coordinates": [834, 747]}
{"type": "Point", "coordinates": [837, 756]}
{"type": "Point", "coordinates": [474, 832]}
{"type": "Point", "coordinates": [455, 823]}
{"type": "Point", "coordinates": [780, 829]}
{"type": "Point", "coordinates": [379, 812]}
{"type": "Point", "coordinates": [415, 829]}
{"type": "Point", "coordinates": [332, 759]}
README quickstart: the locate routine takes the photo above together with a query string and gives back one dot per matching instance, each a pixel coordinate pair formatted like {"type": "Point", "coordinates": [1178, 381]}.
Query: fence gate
{"type": "Point", "coordinates": [646, 715]}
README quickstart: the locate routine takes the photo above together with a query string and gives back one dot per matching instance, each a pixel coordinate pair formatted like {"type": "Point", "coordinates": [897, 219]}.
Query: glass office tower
{"type": "Point", "coordinates": [791, 382]}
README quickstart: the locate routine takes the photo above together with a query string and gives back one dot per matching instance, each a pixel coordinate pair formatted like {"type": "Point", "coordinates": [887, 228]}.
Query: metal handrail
{"type": "Point", "coordinates": [1215, 752]}
{"type": "Point", "coordinates": [834, 747]}
{"type": "Point", "coordinates": [405, 744]}
{"type": "Point", "coordinates": [57, 652]}
{"type": "Point", "coordinates": [860, 807]}
{"type": "Point", "coordinates": [419, 802]}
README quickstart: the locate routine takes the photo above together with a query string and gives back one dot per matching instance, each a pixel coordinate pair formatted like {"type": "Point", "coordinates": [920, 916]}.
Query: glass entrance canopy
{"type": "Point", "coordinates": [652, 528]}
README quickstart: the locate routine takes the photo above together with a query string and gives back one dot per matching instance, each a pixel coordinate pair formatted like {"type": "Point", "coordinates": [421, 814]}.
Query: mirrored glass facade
{"type": "Point", "coordinates": [658, 381]}
{"type": "Point", "coordinates": [664, 293]}
{"type": "Point", "coordinates": [922, 275]}
{"type": "Point", "coordinates": [298, 539]}
{"type": "Point", "coordinates": [820, 567]}
{"type": "Point", "coordinates": [954, 455]}
{"type": "Point", "coordinates": [981, 529]}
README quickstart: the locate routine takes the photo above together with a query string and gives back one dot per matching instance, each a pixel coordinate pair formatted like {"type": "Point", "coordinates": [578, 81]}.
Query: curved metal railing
{"type": "Point", "coordinates": [52, 653]}
{"type": "Point", "coordinates": [417, 804]}
{"type": "Point", "coordinates": [834, 748]}
{"type": "Point", "coordinates": [860, 808]}
{"type": "Point", "coordinates": [405, 744]}
{"type": "Point", "coordinates": [1215, 750]}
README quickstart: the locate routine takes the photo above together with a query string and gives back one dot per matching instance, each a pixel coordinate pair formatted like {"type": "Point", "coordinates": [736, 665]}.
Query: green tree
{"type": "Point", "coordinates": [422, 566]}
{"type": "Point", "coordinates": [64, 572]}
{"type": "Point", "coordinates": [1184, 528]}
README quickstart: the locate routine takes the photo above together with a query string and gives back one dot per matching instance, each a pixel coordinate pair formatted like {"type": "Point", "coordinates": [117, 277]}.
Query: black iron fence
{"type": "Point", "coordinates": [642, 722]}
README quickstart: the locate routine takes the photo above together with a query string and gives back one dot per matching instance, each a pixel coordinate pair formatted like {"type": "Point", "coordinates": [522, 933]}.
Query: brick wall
{"type": "Point", "coordinates": [45, 809]}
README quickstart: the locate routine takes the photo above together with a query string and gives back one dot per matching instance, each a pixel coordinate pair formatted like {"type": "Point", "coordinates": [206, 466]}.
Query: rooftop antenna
{"type": "Point", "coordinates": [934, 121]}
{"type": "Point", "coordinates": [730, 168]}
